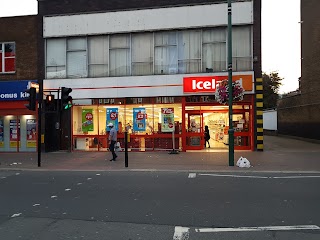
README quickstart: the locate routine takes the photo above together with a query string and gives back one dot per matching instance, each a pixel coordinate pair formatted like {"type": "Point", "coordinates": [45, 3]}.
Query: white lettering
{"type": "Point", "coordinates": [8, 95]}
{"type": "Point", "coordinates": [194, 82]}
{"type": "Point", "coordinates": [24, 94]}
{"type": "Point", "coordinates": [203, 84]}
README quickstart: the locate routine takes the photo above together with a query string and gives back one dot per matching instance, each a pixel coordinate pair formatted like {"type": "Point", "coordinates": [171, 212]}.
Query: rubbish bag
{"type": "Point", "coordinates": [118, 147]}
{"type": "Point", "coordinates": [243, 162]}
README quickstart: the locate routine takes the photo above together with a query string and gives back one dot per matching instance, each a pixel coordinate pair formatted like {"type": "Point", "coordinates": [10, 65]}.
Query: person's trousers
{"type": "Point", "coordinates": [112, 149]}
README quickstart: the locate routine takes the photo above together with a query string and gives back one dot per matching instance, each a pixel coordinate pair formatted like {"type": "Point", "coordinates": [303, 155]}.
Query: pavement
{"type": "Point", "coordinates": [280, 155]}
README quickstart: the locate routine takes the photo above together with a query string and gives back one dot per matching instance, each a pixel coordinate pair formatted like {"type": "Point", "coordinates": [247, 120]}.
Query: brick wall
{"type": "Point", "coordinates": [21, 30]}
{"type": "Point", "coordinates": [300, 115]}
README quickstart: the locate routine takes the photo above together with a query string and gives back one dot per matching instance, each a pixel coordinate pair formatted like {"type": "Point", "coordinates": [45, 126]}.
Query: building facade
{"type": "Point", "coordinates": [152, 69]}
{"type": "Point", "coordinates": [299, 113]}
{"type": "Point", "coordinates": [18, 69]}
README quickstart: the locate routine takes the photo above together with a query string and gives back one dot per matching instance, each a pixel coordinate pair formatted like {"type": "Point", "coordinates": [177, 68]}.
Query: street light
{"type": "Point", "coordinates": [230, 131]}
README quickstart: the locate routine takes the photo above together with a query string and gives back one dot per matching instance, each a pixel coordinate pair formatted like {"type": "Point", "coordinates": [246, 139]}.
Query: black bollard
{"type": "Point", "coordinates": [126, 148]}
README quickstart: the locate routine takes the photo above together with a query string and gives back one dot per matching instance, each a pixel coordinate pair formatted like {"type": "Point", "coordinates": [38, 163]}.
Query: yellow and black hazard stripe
{"type": "Point", "coordinates": [259, 114]}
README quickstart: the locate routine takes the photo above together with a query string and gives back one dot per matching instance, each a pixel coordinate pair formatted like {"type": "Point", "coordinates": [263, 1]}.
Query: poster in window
{"type": "Point", "coordinates": [31, 133]}
{"type": "Point", "coordinates": [167, 117]}
{"type": "Point", "coordinates": [139, 119]}
{"type": "Point", "coordinates": [87, 120]}
{"type": "Point", "coordinates": [1, 133]}
{"type": "Point", "coordinates": [14, 132]}
{"type": "Point", "coordinates": [112, 117]}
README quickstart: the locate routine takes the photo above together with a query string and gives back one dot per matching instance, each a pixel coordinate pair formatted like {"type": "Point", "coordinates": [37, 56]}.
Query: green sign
{"type": "Point", "coordinates": [87, 120]}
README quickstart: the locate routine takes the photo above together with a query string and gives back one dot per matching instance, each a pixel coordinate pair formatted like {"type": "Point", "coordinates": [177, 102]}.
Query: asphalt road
{"type": "Point", "coordinates": [37, 205]}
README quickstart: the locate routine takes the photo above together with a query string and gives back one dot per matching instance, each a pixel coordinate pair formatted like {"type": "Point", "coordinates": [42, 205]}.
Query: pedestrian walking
{"type": "Point", "coordinates": [112, 141]}
{"type": "Point", "coordinates": [206, 136]}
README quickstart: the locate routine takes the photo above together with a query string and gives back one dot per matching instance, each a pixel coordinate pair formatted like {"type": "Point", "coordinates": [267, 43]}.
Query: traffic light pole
{"type": "Point", "coordinates": [40, 99]}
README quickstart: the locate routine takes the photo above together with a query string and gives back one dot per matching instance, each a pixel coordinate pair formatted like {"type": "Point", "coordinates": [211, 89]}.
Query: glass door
{"type": "Point", "coordinates": [194, 129]}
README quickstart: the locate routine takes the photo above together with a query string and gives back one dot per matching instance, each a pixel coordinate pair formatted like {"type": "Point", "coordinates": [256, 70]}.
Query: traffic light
{"type": "Point", "coordinates": [32, 99]}
{"type": "Point", "coordinates": [66, 100]}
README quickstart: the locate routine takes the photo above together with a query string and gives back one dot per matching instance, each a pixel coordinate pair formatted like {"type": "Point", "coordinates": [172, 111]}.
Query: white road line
{"type": "Point", "coordinates": [181, 233]}
{"type": "Point", "coordinates": [35, 205]}
{"type": "Point", "coordinates": [67, 189]}
{"type": "Point", "coordinates": [261, 177]}
{"type": "Point", "coordinates": [234, 176]}
{"type": "Point", "coordinates": [293, 177]}
{"type": "Point", "coordinates": [192, 175]}
{"type": "Point", "coordinates": [255, 229]}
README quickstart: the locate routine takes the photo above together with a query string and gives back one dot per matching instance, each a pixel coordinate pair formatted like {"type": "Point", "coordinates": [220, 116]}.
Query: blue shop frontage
{"type": "Point", "coordinates": [18, 125]}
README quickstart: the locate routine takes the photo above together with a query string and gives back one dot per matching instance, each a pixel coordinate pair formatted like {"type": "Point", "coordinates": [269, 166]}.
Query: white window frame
{"type": "Point", "coordinates": [3, 51]}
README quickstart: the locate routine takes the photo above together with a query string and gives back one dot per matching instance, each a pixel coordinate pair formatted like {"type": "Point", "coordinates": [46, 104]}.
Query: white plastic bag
{"type": "Point", "coordinates": [243, 162]}
{"type": "Point", "coordinates": [118, 147]}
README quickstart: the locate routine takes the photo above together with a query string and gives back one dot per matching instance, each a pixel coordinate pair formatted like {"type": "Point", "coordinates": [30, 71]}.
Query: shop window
{"type": "Point", "coordinates": [56, 58]}
{"type": "Point", "coordinates": [120, 55]}
{"type": "Point", "coordinates": [85, 120]}
{"type": "Point", "coordinates": [7, 57]}
{"type": "Point", "coordinates": [241, 48]}
{"type": "Point", "coordinates": [142, 54]}
{"type": "Point", "coordinates": [98, 56]}
{"type": "Point", "coordinates": [214, 50]}
{"type": "Point", "coordinates": [166, 55]}
{"type": "Point", "coordinates": [76, 57]}
{"type": "Point", "coordinates": [189, 51]}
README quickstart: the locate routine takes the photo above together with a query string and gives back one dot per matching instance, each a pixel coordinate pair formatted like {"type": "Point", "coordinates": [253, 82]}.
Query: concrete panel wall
{"type": "Point", "coordinates": [147, 20]}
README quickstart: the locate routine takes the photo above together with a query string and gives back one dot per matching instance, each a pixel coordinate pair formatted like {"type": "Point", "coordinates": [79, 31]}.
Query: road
{"type": "Point", "coordinates": [156, 205]}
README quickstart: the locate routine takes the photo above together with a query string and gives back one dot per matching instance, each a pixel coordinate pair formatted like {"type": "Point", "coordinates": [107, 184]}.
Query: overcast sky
{"type": "Point", "coordinates": [280, 35]}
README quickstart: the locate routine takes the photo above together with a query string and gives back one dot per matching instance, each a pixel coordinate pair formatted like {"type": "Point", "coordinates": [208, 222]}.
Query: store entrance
{"type": "Point", "coordinates": [217, 120]}
{"type": "Point", "coordinates": [217, 125]}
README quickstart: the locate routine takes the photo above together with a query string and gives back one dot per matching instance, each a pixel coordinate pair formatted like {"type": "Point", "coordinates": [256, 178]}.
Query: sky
{"type": "Point", "coordinates": [280, 36]}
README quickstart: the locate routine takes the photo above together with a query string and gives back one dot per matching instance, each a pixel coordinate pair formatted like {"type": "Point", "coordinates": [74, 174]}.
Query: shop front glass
{"type": "Point", "coordinates": [148, 121]}
{"type": "Point", "coordinates": [18, 133]}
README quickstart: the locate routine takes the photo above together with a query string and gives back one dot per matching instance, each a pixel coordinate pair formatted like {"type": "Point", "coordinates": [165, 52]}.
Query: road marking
{"type": "Point", "coordinates": [192, 175]}
{"type": "Point", "coordinates": [67, 189]}
{"type": "Point", "coordinates": [255, 229]}
{"type": "Point", "coordinates": [54, 196]}
{"type": "Point", "coordinates": [181, 233]}
{"type": "Point", "coordinates": [35, 205]}
{"type": "Point", "coordinates": [234, 176]}
{"type": "Point", "coordinates": [16, 215]}
{"type": "Point", "coordinates": [293, 177]}
{"type": "Point", "coordinates": [261, 177]}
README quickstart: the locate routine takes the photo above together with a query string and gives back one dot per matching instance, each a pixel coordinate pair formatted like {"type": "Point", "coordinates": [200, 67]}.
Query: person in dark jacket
{"type": "Point", "coordinates": [206, 136]}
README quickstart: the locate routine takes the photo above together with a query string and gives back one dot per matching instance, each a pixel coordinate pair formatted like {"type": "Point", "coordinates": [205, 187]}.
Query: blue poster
{"type": "Point", "coordinates": [139, 119]}
{"type": "Point", "coordinates": [112, 117]}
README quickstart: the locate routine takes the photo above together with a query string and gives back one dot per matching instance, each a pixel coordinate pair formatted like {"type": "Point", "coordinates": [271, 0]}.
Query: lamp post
{"type": "Point", "coordinates": [230, 131]}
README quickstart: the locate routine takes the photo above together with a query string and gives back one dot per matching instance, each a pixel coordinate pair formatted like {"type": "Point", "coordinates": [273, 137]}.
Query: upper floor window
{"type": "Point", "coordinates": [148, 53]}
{"type": "Point", "coordinates": [7, 57]}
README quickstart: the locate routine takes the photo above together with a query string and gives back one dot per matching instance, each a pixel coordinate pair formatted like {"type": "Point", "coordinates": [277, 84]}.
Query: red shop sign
{"type": "Point", "coordinates": [199, 84]}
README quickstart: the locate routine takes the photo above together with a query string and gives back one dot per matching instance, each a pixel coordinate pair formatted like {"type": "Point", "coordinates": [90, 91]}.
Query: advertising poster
{"type": "Point", "coordinates": [1, 133]}
{"type": "Point", "coordinates": [14, 132]}
{"type": "Point", "coordinates": [167, 116]}
{"type": "Point", "coordinates": [139, 119]}
{"type": "Point", "coordinates": [87, 120]}
{"type": "Point", "coordinates": [112, 117]}
{"type": "Point", "coordinates": [31, 133]}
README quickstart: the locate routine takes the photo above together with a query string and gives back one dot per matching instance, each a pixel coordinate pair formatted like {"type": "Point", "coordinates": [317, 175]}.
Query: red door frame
{"type": "Point", "coordinates": [249, 134]}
